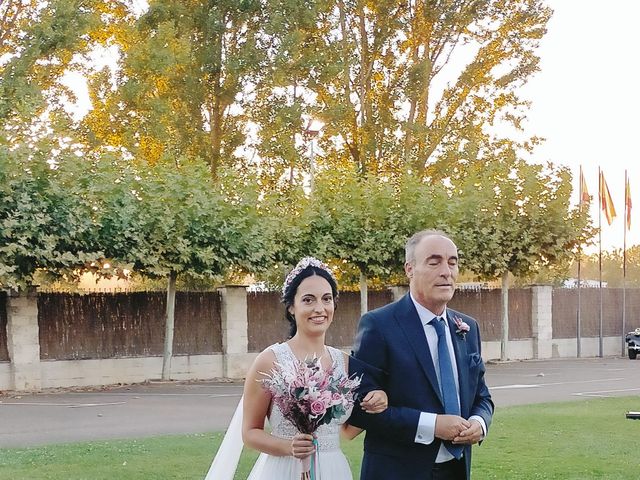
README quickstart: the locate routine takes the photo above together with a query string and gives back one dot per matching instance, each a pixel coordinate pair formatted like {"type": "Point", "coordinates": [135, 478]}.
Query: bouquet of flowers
{"type": "Point", "coordinates": [309, 396]}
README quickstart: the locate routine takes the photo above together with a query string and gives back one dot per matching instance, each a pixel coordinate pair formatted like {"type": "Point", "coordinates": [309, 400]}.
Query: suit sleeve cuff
{"type": "Point", "coordinates": [426, 428]}
{"type": "Point", "coordinates": [482, 424]}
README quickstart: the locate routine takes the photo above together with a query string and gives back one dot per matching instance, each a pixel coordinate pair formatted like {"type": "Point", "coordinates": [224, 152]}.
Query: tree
{"type": "Point", "coordinates": [612, 267]}
{"type": "Point", "coordinates": [417, 85]}
{"type": "Point", "coordinates": [514, 217]}
{"type": "Point", "coordinates": [366, 222]}
{"type": "Point", "coordinates": [172, 218]}
{"type": "Point", "coordinates": [44, 224]}
{"type": "Point", "coordinates": [38, 42]}
{"type": "Point", "coordinates": [185, 72]}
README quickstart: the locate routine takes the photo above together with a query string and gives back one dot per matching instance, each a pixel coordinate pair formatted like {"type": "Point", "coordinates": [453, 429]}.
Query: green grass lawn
{"type": "Point", "coordinates": [581, 440]}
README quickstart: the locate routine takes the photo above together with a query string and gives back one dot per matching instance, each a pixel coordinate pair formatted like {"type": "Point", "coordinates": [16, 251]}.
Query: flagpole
{"type": "Point", "coordinates": [578, 312]}
{"type": "Point", "coordinates": [624, 264]}
{"type": "Point", "coordinates": [600, 197]}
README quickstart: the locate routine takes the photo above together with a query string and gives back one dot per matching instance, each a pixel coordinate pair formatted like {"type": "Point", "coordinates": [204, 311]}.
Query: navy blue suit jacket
{"type": "Point", "coordinates": [392, 339]}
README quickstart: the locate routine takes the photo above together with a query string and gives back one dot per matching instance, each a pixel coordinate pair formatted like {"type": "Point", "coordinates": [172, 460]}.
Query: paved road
{"type": "Point", "coordinates": [520, 383]}
{"type": "Point", "coordinates": [179, 407]}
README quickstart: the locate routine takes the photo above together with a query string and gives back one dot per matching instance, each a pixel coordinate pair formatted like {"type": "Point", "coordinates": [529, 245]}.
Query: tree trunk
{"type": "Point", "coordinates": [168, 328]}
{"type": "Point", "coordinates": [352, 141]}
{"type": "Point", "coordinates": [217, 106]}
{"type": "Point", "coordinates": [364, 300]}
{"type": "Point", "coordinates": [505, 317]}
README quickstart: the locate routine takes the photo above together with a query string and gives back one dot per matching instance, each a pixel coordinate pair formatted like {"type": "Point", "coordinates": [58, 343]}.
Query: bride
{"type": "Point", "coordinates": [309, 295]}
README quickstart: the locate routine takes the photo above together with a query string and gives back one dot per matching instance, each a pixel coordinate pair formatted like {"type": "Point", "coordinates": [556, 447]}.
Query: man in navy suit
{"type": "Point", "coordinates": [438, 406]}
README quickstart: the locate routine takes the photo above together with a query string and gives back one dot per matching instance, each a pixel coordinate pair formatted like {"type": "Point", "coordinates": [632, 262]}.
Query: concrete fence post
{"type": "Point", "coordinates": [235, 331]}
{"type": "Point", "coordinates": [542, 320]}
{"type": "Point", "coordinates": [23, 339]}
{"type": "Point", "coordinates": [399, 291]}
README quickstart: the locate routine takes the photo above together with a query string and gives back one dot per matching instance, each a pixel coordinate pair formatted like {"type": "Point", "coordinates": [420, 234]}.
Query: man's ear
{"type": "Point", "coordinates": [408, 269]}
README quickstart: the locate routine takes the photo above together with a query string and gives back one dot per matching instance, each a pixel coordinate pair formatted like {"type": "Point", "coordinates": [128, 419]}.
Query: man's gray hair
{"type": "Point", "coordinates": [416, 238]}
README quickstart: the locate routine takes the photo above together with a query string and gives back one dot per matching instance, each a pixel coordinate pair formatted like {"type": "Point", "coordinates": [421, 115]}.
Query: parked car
{"type": "Point", "coordinates": [633, 341]}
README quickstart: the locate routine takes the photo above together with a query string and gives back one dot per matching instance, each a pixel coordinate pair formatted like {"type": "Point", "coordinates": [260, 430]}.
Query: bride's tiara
{"type": "Point", "coordinates": [302, 264]}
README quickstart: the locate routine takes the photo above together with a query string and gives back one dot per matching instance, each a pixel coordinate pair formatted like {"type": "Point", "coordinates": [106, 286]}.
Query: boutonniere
{"type": "Point", "coordinates": [461, 327]}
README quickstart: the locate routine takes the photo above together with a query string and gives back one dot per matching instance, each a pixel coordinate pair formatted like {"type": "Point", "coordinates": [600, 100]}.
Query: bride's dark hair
{"type": "Point", "coordinates": [292, 283]}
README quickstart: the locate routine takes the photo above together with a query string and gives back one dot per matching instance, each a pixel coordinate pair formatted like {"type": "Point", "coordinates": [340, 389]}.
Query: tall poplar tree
{"type": "Point", "coordinates": [420, 85]}
{"type": "Point", "coordinates": [185, 71]}
{"type": "Point", "coordinates": [38, 42]}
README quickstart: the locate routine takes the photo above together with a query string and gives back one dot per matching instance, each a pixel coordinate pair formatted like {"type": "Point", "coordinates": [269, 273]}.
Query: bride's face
{"type": "Point", "coordinates": [313, 305]}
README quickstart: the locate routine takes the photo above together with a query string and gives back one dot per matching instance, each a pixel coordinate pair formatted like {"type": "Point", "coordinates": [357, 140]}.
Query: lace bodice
{"type": "Point", "coordinates": [328, 435]}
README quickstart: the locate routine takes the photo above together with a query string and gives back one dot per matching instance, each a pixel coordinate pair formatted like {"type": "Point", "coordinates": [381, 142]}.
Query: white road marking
{"type": "Point", "coordinates": [586, 381]}
{"type": "Point", "coordinates": [82, 405]}
{"type": "Point", "coordinates": [602, 393]}
{"type": "Point", "coordinates": [78, 405]}
{"type": "Point", "coordinates": [550, 384]}
{"type": "Point", "coordinates": [195, 385]}
{"type": "Point", "coordinates": [508, 387]}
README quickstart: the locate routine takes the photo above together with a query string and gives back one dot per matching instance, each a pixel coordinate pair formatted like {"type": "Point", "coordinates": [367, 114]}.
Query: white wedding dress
{"type": "Point", "coordinates": [332, 464]}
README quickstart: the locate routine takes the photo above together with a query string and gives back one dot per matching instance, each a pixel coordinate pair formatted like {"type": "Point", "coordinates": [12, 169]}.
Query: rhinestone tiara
{"type": "Point", "coordinates": [302, 264]}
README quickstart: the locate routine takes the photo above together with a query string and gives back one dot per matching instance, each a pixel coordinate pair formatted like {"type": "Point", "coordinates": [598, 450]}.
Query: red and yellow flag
{"type": "Point", "coordinates": [605, 200]}
{"type": "Point", "coordinates": [627, 202]}
{"type": "Point", "coordinates": [584, 193]}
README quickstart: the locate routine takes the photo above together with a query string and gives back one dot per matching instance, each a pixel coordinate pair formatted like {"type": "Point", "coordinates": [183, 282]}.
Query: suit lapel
{"type": "Point", "coordinates": [409, 322]}
{"type": "Point", "coordinates": [460, 351]}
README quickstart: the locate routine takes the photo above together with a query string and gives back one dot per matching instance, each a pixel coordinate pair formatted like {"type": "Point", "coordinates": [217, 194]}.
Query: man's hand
{"type": "Point", "coordinates": [375, 401]}
{"type": "Point", "coordinates": [449, 427]}
{"type": "Point", "coordinates": [471, 435]}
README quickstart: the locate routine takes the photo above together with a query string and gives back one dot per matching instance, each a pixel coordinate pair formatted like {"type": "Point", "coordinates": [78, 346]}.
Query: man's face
{"type": "Point", "coordinates": [432, 276]}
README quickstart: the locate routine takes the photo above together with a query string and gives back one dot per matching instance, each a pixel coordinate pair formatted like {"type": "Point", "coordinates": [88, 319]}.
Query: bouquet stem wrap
{"type": "Point", "coordinates": [306, 468]}
{"type": "Point", "coordinates": [311, 464]}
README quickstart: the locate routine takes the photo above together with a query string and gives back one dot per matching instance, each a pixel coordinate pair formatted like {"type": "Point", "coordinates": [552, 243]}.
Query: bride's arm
{"type": "Point", "coordinates": [349, 432]}
{"type": "Point", "coordinates": [256, 407]}
{"type": "Point", "coordinates": [375, 401]}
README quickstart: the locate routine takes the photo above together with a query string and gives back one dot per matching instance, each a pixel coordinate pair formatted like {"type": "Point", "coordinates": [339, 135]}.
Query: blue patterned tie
{"type": "Point", "coordinates": [447, 380]}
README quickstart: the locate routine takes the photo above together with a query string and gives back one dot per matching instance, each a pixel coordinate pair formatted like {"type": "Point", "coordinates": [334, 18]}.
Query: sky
{"type": "Point", "coordinates": [585, 102]}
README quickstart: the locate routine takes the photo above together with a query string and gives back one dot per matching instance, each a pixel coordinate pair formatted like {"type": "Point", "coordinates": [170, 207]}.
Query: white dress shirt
{"type": "Point", "coordinates": [425, 433]}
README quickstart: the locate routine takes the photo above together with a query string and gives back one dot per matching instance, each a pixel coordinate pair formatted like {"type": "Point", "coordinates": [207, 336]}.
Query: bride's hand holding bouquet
{"type": "Point", "coordinates": [309, 395]}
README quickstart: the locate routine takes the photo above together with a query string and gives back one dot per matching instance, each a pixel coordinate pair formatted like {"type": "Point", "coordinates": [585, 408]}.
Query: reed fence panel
{"type": "Point", "coordinates": [565, 311]}
{"type": "Point", "coordinates": [105, 325]}
{"type": "Point", "coordinates": [485, 305]}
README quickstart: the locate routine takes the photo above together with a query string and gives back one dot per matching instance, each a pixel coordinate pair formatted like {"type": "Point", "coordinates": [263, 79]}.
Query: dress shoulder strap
{"type": "Point", "coordinates": [282, 352]}
{"type": "Point", "coordinates": [338, 358]}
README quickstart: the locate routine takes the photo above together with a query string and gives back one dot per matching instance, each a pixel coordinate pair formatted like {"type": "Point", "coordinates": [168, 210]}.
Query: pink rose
{"type": "Point", "coordinates": [317, 407]}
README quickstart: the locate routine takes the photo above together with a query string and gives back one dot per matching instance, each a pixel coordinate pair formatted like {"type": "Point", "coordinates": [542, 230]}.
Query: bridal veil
{"type": "Point", "coordinates": [226, 460]}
